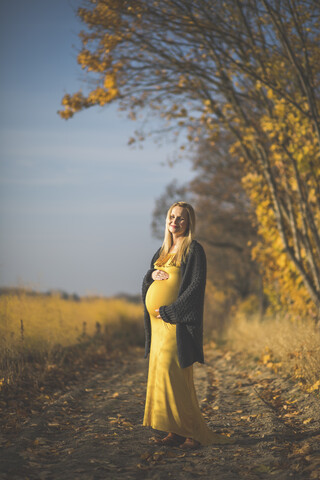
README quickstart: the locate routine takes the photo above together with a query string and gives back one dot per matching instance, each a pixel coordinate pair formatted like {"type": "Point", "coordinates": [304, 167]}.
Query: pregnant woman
{"type": "Point", "coordinates": [173, 295]}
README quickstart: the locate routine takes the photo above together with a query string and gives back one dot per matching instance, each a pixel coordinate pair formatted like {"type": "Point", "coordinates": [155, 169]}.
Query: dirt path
{"type": "Point", "coordinates": [94, 430]}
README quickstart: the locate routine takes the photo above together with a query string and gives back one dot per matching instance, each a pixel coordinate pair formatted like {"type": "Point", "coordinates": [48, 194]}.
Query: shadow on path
{"type": "Point", "coordinates": [94, 431]}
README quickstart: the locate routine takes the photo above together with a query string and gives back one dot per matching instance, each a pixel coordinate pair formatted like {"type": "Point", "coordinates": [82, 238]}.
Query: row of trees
{"type": "Point", "coordinates": [242, 77]}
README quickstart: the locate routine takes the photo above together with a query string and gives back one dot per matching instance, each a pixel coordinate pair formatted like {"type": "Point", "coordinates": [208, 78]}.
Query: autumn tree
{"type": "Point", "coordinates": [225, 219]}
{"type": "Point", "coordinates": [225, 216]}
{"type": "Point", "coordinates": [245, 67]}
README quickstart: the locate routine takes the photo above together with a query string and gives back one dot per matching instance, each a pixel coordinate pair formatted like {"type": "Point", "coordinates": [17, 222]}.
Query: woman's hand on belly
{"type": "Point", "coordinates": [157, 311]}
{"type": "Point", "coordinates": [159, 275]}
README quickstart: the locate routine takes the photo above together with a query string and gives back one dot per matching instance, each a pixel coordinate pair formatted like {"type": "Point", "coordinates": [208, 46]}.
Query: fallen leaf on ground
{"type": "Point", "coordinates": [308, 420]}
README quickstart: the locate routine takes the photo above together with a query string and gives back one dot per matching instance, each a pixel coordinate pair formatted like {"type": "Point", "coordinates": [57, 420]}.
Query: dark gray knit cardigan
{"type": "Point", "coordinates": [187, 311]}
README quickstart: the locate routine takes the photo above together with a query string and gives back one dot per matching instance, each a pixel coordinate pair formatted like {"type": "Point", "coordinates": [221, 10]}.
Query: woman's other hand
{"type": "Point", "coordinates": [159, 275]}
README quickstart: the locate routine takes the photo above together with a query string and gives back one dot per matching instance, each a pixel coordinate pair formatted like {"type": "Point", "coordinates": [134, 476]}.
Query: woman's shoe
{"type": "Point", "coordinates": [190, 444]}
{"type": "Point", "coordinates": [171, 440]}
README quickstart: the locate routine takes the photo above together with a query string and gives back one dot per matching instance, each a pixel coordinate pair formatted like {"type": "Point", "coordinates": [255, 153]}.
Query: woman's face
{"type": "Point", "coordinates": [178, 221]}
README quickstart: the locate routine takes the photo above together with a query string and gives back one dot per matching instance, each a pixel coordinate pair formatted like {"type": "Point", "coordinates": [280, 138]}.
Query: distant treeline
{"type": "Point", "coordinates": [64, 295]}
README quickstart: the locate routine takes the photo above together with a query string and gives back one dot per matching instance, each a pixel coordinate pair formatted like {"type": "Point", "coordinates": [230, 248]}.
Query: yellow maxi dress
{"type": "Point", "coordinates": [171, 401]}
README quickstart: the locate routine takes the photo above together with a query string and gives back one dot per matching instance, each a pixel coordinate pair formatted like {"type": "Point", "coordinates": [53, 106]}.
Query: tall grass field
{"type": "Point", "coordinates": [40, 329]}
{"type": "Point", "coordinates": [285, 345]}
{"type": "Point", "coordinates": [40, 332]}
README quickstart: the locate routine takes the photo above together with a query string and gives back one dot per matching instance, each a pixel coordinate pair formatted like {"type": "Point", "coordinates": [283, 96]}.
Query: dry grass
{"type": "Point", "coordinates": [292, 347]}
{"type": "Point", "coordinates": [38, 331]}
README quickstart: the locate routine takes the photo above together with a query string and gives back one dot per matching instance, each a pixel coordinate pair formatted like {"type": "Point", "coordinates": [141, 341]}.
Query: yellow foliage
{"type": "Point", "coordinates": [72, 103]}
{"type": "Point", "coordinates": [282, 281]}
{"type": "Point", "coordinates": [272, 120]}
{"type": "Point", "coordinates": [101, 96]}
{"type": "Point", "coordinates": [266, 358]}
{"type": "Point", "coordinates": [110, 83]}
{"type": "Point", "coordinates": [314, 387]}
{"type": "Point", "coordinates": [270, 93]}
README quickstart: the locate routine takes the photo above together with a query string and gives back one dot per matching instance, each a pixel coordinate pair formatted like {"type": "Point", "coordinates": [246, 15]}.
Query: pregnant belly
{"type": "Point", "coordinates": [162, 292]}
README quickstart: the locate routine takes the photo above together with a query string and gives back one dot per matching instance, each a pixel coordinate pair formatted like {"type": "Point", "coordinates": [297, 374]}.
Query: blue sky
{"type": "Point", "coordinates": [75, 200]}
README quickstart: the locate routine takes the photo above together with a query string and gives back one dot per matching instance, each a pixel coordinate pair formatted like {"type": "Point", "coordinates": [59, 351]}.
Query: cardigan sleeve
{"type": "Point", "coordinates": [188, 308]}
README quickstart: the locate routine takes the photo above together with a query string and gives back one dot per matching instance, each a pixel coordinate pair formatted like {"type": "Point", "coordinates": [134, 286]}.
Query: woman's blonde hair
{"type": "Point", "coordinates": [183, 251]}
